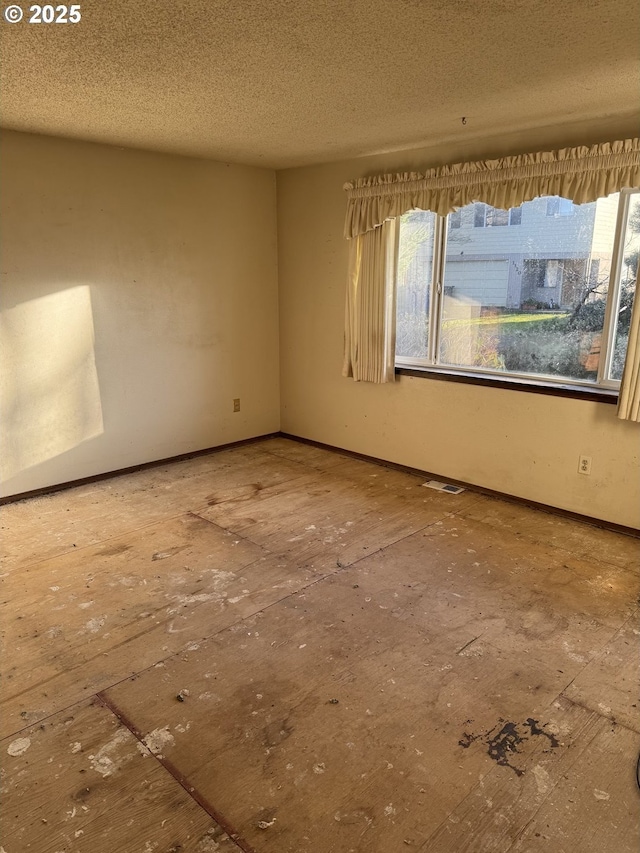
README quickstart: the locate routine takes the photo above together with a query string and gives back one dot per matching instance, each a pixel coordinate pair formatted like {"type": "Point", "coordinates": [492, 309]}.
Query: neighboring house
{"type": "Point", "coordinates": [548, 252]}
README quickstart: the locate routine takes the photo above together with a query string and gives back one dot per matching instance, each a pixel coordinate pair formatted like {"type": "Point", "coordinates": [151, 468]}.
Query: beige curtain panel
{"type": "Point", "coordinates": [629, 399]}
{"type": "Point", "coordinates": [370, 340]}
{"type": "Point", "coordinates": [580, 174]}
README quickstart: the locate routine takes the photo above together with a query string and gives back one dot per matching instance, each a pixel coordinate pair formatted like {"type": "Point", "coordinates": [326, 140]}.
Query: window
{"type": "Point", "coordinates": [550, 300]}
{"type": "Point", "coordinates": [515, 216]}
{"type": "Point", "coordinates": [455, 219]}
{"type": "Point", "coordinates": [557, 206]}
{"type": "Point", "coordinates": [485, 216]}
{"type": "Point", "coordinates": [553, 273]}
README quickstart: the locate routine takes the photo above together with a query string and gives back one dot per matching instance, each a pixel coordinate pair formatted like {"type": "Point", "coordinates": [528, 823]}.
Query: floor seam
{"type": "Point", "coordinates": [141, 634]}
{"type": "Point", "coordinates": [309, 468]}
{"type": "Point", "coordinates": [527, 823]}
{"type": "Point", "coordinates": [612, 720]}
{"type": "Point", "coordinates": [173, 771]}
{"type": "Point", "coordinates": [425, 848]}
{"type": "Point", "coordinates": [340, 569]}
{"type": "Point", "coordinates": [229, 532]}
{"type": "Point", "coordinates": [520, 536]}
{"type": "Point", "coordinates": [42, 720]}
{"type": "Point", "coordinates": [598, 655]}
{"type": "Point", "coordinates": [205, 639]}
{"type": "Point", "coordinates": [76, 550]}
{"type": "Point", "coordinates": [151, 666]}
{"type": "Point", "coordinates": [337, 571]}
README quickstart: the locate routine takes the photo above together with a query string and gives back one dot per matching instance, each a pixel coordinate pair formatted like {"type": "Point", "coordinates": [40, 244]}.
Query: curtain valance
{"type": "Point", "coordinates": [581, 174]}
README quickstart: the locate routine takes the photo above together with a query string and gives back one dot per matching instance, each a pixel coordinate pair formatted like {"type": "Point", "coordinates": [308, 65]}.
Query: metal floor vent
{"type": "Point", "coordinates": [443, 487]}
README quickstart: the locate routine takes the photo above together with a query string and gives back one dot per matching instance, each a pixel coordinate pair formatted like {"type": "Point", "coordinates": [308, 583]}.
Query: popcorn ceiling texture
{"type": "Point", "coordinates": [293, 82]}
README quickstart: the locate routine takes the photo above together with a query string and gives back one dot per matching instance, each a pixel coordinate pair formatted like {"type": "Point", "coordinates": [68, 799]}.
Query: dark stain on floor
{"type": "Point", "coordinates": [504, 740]}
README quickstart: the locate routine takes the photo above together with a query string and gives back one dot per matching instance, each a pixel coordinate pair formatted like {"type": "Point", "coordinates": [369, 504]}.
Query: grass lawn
{"type": "Point", "coordinates": [534, 342]}
{"type": "Point", "coordinates": [503, 319]}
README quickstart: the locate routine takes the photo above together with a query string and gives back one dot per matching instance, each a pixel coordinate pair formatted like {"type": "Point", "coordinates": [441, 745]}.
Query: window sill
{"type": "Point", "coordinates": [533, 386]}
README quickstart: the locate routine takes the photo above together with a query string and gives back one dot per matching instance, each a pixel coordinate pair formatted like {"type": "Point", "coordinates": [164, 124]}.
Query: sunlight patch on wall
{"type": "Point", "coordinates": [49, 392]}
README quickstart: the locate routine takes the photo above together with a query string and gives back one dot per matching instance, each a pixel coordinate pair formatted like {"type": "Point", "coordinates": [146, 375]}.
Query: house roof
{"type": "Point", "coordinates": [292, 82]}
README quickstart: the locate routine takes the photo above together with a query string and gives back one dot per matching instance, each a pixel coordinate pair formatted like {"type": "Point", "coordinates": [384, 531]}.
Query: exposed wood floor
{"type": "Point", "coordinates": [277, 648]}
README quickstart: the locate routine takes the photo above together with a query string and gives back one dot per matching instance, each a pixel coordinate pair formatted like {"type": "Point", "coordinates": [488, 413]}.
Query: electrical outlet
{"type": "Point", "coordinates": [584, 465]}
{"type": "Point", "coordinates": [236, 404]}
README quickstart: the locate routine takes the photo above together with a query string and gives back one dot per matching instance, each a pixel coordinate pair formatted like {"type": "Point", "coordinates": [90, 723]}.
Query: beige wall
{"type": "Point", "coordinates": [520, 443]}
{"type": "Point", "coordinates": [139, 297]}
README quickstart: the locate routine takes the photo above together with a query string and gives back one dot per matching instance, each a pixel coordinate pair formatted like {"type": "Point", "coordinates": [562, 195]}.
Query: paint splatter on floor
{"type": "Point", "coordinates": [19, 746]}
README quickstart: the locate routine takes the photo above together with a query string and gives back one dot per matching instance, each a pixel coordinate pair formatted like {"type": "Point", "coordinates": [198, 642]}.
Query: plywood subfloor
{"type": "Point", "coordinates": [279, 649]}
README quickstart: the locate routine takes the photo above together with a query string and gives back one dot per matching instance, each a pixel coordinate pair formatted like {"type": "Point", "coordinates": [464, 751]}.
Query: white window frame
{"type": "Point", "coordinates": [433, 364]}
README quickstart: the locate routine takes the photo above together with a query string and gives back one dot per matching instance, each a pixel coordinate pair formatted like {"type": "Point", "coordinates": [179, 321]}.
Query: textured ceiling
{"type": "Point", "coordinates": [290, 82]}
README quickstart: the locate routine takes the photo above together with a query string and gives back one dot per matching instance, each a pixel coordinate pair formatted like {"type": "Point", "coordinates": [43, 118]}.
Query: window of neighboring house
{"type": "Point", "coordinates": [552, 273]}
{"type": "Point", "coordinates": [485, 216]}
{"type": "Point", "coordinates": [515, 216]}
{"type": "Point", "coordinates": [537, 302]}
{"type": "Point", "coordinates": [455, 219]}
{"type": "Point", "coordinates": [557, 206]}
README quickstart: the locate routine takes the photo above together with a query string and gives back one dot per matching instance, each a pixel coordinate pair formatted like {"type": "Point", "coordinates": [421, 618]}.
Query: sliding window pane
{"type": "Point", "coordinates": [628, 278]}
{"type": "Point", "coordinates": [529, 297]}
{"type": "Point", "coordinates": [415, 269]}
